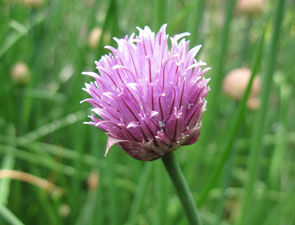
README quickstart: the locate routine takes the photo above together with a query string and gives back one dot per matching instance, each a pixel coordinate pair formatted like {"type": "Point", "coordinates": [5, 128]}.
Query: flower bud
{"type": "Point", "coordinates": [235, 83]}
{"type": "Point", "coordinates": [93, 181]}
{"type": "Point", "coordinates": [250, 7]}
{"type": "Point", "coordinates": [20, 73]}
{"type": "Point", "coordinates": [94, 37]}
{"type": "Point", "coordinates": [64, 210]}
{"type": "Point", "coordinates": [253, 103]}
{"type": "Point", "coordinates": [89, 3]}
{"type": "Point", "coordinates": [33, 3]}
{"type": "Point", "coordinates": [148, 97]}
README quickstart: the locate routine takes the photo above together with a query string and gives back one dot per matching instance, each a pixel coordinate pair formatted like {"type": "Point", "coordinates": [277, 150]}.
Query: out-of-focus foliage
{"type": "Point", "coordinates": [56, 164]}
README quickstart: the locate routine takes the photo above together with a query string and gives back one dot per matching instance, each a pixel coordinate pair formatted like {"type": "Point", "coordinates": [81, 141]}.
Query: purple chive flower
{"type": "Point", "coordinates": [149, 99]}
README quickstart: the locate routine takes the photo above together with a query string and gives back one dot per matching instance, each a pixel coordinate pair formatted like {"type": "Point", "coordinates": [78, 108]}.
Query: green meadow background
{"type": "Point", "coordinates": [53, 169]}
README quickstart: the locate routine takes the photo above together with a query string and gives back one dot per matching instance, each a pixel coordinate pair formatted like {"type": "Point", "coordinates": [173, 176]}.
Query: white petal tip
{"type": "Point", "coordinates": [111, 141]}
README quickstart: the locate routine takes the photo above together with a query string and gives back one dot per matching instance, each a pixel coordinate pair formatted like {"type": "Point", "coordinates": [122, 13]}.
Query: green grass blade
{"type": "Point", "coordinates": [224, 183]}
{"type": "Point", "coordinates": [162, 192]}
{"type": "Point", "coordinates": [55, 150]}
{"type": "Point", "coordinates": [52, 127]}
{"type": "Point", "coordinates": [215, 83]}
{"type": "Point", "coordinates": [220, 161]}
{"type": "Point", "coordinates": [14, 37]}
{"type": "Point", "coordinates": [9, 216]}
{"type": "Point", "coordinates": [196, 21]}
{"type": "Point", "coordinates": [106, 25]}
{"type": "Point", "coordinates": [8, 162]}
{"type": "Point", "coordinates": [87, 210]}
{"type": "Point", "coordinates": [39, 160]}
{"type": "Point", "coordinates": [281, 145]}
{"type": "Point", "coordinates": [161, 13]}
{"type": "Point", "coordinates": [112, 192]}
{"type": "Point", "coordinates": [259, 123]}
{"type": "Point", "coordinates": [217, 75]}
{"type": "Point", "coordinates": [140, 192]}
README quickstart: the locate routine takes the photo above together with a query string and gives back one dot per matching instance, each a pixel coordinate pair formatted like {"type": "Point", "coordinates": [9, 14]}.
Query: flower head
{"type": "Point", "coordinates": [147, 97]}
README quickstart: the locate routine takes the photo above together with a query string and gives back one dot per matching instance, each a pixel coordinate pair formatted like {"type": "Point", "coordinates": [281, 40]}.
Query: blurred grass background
{"type": "Point", "coordinates": [241, 171]}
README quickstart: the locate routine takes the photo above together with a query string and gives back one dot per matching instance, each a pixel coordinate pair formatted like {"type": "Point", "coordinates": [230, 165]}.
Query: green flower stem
{"type": "Point", "coordinates": [182, 189]}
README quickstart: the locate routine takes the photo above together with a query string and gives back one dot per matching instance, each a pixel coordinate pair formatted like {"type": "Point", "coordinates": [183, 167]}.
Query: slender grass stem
{"type": "Point", "coordinates": [161, 12]}
{"type": "Point", "coordinates": [215, 83]}
{"type": "Point", "coordinates": [196, 21]}
{"type": "Point", "coordinates": [107, 21]}
{"type": "Point", "coordinates": [52, 127]}
{"type": "Point", "coordinates": [246, 40]}
{"type": "Point", "coordinates": [224, 183]}
{"type": "Point", "coordinates": [211, 181]}
{"type": "Point", "coordinates": [9, 216]}
{"type": "Point", "coordinates": [162, 194]}
{"type": "Point", "coordinates": [8, 162]}
{"type": "Point", "coordinates": [281, 144]}
{"type": "Point", "coordinates": [15, 37]}
{"type": "Point", "coordinates": [259, 125]}
{"type": "Point", "coordinates": [113, 191]}
{"type": "Point", "coordinates": [182, 189]}
{"type": "Point", "coordinates": [40, 160]}
{"type": "Point", "coordinates": [87, 210]}
{"type": "Point", "coordinates": [139, 194]}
